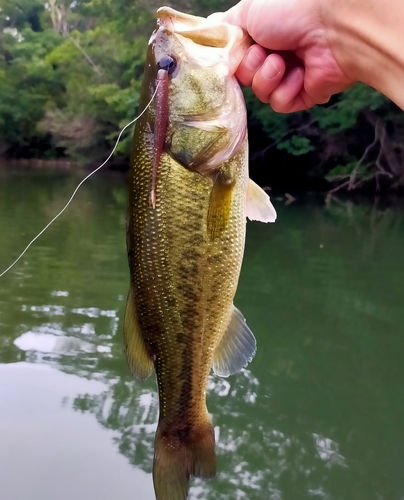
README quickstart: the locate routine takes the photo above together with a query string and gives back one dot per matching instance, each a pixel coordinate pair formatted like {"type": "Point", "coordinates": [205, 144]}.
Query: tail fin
{"type": "Point", "coordinates": [180, 454]}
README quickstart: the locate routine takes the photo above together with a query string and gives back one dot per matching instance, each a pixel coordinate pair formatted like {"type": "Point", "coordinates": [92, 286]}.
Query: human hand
{"type": "Point", "coordinates": [292, 66]}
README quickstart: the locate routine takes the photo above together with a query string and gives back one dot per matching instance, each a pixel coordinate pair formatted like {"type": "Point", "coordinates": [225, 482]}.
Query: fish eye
{"type": "Point", "coordinates": [168, 63]}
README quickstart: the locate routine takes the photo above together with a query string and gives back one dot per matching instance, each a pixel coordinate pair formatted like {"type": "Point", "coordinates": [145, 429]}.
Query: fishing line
{"type": "Point", "coordinates": [80, 184]}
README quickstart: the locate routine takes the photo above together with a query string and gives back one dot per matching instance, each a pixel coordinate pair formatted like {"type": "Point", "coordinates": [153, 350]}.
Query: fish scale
{"type": "Point", "coordinates": [183, 277]}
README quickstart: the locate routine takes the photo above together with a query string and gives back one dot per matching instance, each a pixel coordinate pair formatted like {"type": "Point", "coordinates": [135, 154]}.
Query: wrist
{"type": "Point", "coordinates": [366, 38]}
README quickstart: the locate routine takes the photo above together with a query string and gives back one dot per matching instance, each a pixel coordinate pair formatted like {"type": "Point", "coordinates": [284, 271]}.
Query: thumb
{"type": "Point", "coordinates": [237, 15]}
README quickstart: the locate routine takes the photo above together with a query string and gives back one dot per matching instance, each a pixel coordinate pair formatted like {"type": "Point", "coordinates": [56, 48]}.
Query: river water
{"type": "Point", "coordinates": [318, 414]}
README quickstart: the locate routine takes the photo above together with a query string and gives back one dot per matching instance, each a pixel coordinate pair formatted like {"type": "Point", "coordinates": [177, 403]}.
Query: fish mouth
{"type": "Point", "coordinates": [201, 48]}
{"type": "Point", "coordinates": [206, 32]}
{"type": "Point", "coordinates": [197, 29]}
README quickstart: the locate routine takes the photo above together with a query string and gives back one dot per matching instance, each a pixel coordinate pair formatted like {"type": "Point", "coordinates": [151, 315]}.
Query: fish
{"type": "Point", "coordinates": [189, 196]}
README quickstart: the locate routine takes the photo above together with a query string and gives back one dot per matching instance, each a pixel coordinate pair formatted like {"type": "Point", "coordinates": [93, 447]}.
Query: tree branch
{"type": "Point", "coordinates": [86, 55]}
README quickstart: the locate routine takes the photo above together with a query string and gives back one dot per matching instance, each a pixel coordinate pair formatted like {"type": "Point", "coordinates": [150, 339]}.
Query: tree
{"type": "Point", "coordinates": [70, 76]}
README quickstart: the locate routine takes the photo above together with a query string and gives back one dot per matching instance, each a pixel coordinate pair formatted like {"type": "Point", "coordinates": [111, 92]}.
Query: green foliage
{"type": "Point", "coordinates": [297, 145]}
{"type": "Point", "coordinates": [75, 78]}
{"type": "Point", "coordinates": [18, 15]}
{"type": "Point", "coordinates": [70, 76]}
{"type": "Point", "coordinates": [341, 171]}
{"type": "Point", "coordinates": [360, 131]}
{"type": "Point", "coordinates": [344, 113]}
{"type": "Point", "coordinates": [206, 7]}
{"type": "Point", "coordinates": [284, 131]}
{"type": "Point", "coordinates": [26, 82]}
{"type": "Point", "coordinates": [297, 133]}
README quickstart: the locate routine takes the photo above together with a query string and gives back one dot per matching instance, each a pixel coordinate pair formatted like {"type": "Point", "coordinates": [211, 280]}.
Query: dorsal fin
{"type": "Point", "coordinates": [139, 360]}
{"type": "Point", "coordinates": [236, 348]}
{"type": "Point", "coordinates": [258, 204]}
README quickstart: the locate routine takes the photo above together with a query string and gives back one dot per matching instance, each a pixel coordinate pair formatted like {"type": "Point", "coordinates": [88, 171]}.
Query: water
{"type": "Point", "coordinates": [317, 415]}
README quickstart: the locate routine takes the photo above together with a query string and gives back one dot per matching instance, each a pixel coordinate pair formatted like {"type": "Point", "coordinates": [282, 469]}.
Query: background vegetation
{"type": "Point", "coordinates": [70, 74]}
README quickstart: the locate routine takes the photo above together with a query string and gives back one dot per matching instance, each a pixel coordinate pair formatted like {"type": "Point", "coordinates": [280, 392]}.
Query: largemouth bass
{"type": "Point", "coordinates": [188, 201]}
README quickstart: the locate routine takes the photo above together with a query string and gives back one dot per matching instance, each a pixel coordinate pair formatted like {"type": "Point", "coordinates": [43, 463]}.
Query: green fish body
{"type": "Point", "coordinates": [188, 202]}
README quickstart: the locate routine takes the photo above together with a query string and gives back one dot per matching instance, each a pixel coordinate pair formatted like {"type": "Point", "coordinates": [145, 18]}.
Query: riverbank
{"type": "Point", "coordinates": [276, 175]}
{"type": "Point", "coordinates": [61, 163]}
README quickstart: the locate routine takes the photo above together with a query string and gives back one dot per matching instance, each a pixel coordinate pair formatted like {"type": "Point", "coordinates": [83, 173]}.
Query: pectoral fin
{"type": "Point", "coordinates": [237, 347]}
{"type": "Point", "coordinates": [258, 204]}
{"type": "Point", "coordinates": [220, 205]}
{"type": "Point", "coordinates": [139, 360]}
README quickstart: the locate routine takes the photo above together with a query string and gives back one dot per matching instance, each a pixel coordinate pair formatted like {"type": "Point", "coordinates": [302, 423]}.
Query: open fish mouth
{"type": "Point", "coordinates": [197, 29]}
{"type": "Point", "coordinates": [233, 41]}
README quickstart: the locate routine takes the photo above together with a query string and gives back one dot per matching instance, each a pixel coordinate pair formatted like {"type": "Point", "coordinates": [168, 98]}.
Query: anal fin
{"type": "Point", "coordinates": [138, 358]}
{"type": "Point", "coordinates": [236, 348]}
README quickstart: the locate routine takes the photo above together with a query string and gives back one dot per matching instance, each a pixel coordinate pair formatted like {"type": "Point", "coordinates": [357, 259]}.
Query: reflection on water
{"type": "Point", "coordinates": [317, 414]}
{"type": "Point", "coordinates": [49, 452]}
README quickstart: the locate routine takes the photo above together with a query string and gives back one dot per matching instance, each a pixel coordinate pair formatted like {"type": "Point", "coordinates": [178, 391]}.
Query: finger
{"type": "Point", "coordinates": [238, 14]}
{"type": "Point", "coordinates": [284, 95]}
{"type": "Point", "coordinates": [301, 102]}
{"type": "Point", "coordinates": [253, 59]}
{"type": "Point", "coordinates": [297, 104]}
{"type": "Point", "coordinates": [217, 17]}
{"type": "Point", "coordinates": [268, 77]}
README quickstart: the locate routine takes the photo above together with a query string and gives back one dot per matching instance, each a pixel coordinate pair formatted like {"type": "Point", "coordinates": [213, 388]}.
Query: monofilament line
{"type": "Point", "coordinates": [79, 186]}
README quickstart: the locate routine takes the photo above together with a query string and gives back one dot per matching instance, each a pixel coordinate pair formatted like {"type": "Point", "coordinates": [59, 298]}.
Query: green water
{"type": "Point", "coordinates": [319, 413]}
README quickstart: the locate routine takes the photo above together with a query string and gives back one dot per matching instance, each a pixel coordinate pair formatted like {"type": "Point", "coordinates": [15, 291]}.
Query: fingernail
{"type": "Point", "coordinates": [253, 60]}
{"type": "Point", "coordinates": [270, 69]}
{"type": "Point", "coordinates": [294, 75]}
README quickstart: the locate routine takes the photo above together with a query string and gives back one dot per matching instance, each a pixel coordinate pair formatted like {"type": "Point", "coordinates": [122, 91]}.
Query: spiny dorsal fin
{"type": "Point", "coordinates": [258, 205]}
{"type": "Point", "coordinates": [220, 205]}
{"type": "Point", "coordinates": [236, 348]}
{"type": "Point", "coordinates": [139, 361]}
